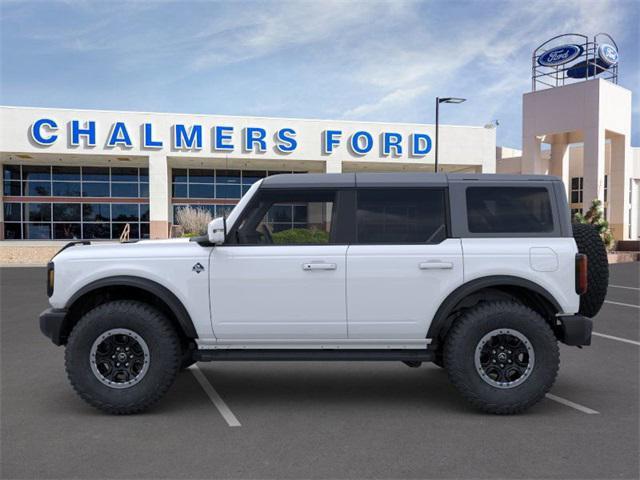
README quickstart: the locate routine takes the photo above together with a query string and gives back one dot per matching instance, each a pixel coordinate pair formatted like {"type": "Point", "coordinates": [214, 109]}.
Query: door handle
{"type": "Point", "coordinates": [319, 266]}
{"type": "Point", "coordinates": [436, 266]}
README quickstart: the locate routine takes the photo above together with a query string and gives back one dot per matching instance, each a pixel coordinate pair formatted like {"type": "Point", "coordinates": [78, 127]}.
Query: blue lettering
{"type": "Point", "coordinates": [147, 138]}
{"type": "Point", "coordinates": [255, 135]}
{"type": "Point", "coordinates": [421, 144]}
{"type": "Point", "coordinates": [186, 139]}
{"type": "Point", "coordinates": [36, 131]}
{"type": "Point", "coordinates": [391, 140]}
{"type": "Point", "coordinates": [221, 137]}
{"type": "Point", "coordinates": [356, 145]}
{"type": "Point", "coordinates": [119, 136]}
{"type": "Point", "coordinates": [89, 131]}
{"type": "Point", "coordinates": [286, 141]}
{"type": "Point", "coordinates": [330, 140]}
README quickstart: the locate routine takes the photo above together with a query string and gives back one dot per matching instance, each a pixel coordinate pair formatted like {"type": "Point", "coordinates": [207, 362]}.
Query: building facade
{"type": "Point", "coordinates": [87, 174]}
{"type": "Point", "coordinates": [581, 132]}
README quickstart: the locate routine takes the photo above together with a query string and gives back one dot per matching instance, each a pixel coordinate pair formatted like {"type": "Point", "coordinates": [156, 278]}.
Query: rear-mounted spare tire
{"type": "Point", "coordinates": [589, 243]}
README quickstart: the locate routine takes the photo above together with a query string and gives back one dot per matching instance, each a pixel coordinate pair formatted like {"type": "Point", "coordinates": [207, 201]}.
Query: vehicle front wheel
{"type": "Point", "coordinates": [502, 356]}
{"type": "Point", "coordinates": [122, 356]}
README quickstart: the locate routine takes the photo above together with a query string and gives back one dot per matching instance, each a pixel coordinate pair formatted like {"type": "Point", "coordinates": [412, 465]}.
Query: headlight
{"type": "Point", "coordinates": [50, 279]}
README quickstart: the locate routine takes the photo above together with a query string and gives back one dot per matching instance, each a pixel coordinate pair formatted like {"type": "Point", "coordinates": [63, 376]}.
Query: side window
{"type": "Point", "coordinates": [289, 218]}
{"type": "Point", "coordinates": [401, 216]}
{"type": "Point", "coordinates": [509, 210]}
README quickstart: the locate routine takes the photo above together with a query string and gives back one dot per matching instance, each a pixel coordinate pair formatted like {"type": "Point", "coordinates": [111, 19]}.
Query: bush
{"type": "Point", "coordinates": [194, 221]}
{"type": "Point", "coordinates": [301, 236]}
{"type": "Point", "coordinates": [595, 217]}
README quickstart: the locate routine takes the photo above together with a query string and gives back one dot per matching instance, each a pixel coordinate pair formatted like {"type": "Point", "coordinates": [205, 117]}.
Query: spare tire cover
{"type": "Point", "coordinates": [590, 243]}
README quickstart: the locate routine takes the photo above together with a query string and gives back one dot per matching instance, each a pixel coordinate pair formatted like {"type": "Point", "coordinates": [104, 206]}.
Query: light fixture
{"type": "Point", "coordinates": [440, 100]}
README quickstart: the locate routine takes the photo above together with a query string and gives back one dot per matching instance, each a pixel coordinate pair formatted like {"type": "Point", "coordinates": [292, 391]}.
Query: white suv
{"type": "Point", "coordinates": [481, 274]}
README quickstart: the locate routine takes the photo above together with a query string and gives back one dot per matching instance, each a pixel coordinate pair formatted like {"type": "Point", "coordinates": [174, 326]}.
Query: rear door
{"type": "Point", "coordinates": [402, 264]}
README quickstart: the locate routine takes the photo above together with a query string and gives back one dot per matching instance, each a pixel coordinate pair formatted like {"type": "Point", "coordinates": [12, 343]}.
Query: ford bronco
{"type": "Point", "coordinates": [481, 274]}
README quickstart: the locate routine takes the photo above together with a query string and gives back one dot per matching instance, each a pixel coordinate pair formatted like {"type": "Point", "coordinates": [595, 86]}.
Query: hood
{"type": "Point", "coordinates": [156, 249]}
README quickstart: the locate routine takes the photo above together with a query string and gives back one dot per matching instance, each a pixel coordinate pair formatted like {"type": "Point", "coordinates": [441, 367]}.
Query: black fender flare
{"type": "Point", "coordinates": [440, 322]}
{"type": "Point", "coordinates": [150, 286]}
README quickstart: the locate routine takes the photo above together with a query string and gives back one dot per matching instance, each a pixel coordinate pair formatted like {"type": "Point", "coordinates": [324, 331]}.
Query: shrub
{"type": "Point", "coordinates": [194, 221]}
{"type": "Point", "coordinates": [595, 217]}
{"type": "Point", "coordinates": [300, 235]}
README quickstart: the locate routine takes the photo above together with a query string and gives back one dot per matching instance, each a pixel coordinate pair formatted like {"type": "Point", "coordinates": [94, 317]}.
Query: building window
{"type": "Point", "coordinates": [63, 212]}
{"type": "Point", "coordinates": [606, 187]}
{"type": "Point", "coordinates": [576, 189]}
{"type": "Point", "coordinates": [195, 186]}
{"type": "Point", "coordinates": [574, 211]}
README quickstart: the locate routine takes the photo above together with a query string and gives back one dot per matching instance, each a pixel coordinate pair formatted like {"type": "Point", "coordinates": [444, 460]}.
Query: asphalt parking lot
{"type": "Point", "coordinates": [320, 420]}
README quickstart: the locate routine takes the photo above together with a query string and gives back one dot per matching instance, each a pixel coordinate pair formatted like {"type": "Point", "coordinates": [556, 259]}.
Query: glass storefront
{"type": "Point", "coordinates": [200, 186]}
{"type": "Point", "coordinates": [77, 202]}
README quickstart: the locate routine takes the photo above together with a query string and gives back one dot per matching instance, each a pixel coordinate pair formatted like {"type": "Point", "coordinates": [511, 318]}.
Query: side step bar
{"type": "Point", "coordinates": [313, 355]}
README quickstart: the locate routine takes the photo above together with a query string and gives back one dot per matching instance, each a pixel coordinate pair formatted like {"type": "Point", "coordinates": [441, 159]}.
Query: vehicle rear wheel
{"type": "Point", "coordinates": [122, 356]}
{"type": "Point", "coordinates": [589, 242]}
{"type": "Point", "coordinates": [502, 356]}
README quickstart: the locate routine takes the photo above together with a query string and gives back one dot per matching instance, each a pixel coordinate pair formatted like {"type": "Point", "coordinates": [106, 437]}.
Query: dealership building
{"type": "Point", "coordinates": [86, 174]}
{"type": "Point", "coordinates": [90, 174]}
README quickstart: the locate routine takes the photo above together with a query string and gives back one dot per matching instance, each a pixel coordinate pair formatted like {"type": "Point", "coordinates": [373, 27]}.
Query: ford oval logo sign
{"type": "Point", "coordinates": [608, 54]}
{"type": "Point", "coordinates": [560, 55]}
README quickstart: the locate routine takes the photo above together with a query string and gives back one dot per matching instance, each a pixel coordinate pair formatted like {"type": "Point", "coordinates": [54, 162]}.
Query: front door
{"type": "Point", "coordinates": [281, 274]}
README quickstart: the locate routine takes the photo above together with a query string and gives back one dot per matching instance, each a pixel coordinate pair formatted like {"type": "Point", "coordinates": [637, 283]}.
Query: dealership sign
{"type": "Point", "coordinates": [560, 55]}
{"type": "Point", "coordinates": [222, 138]}
{"type": "Point", "coordinates": [608, 54]}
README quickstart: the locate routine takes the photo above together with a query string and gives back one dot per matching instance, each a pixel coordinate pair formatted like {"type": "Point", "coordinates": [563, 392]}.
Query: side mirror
{"type": "Point", "coordinates": [217, 230]}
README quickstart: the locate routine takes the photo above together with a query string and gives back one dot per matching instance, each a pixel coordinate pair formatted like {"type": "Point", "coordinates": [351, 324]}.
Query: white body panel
{"type": "Point", "coordinates": [393, 291]}
{"type": "Point", "coordinates": [279, 292]}
{"type": "Point", "coordinates": [547, 262]}
{"type": "Point", "coordinates": [167, 262]}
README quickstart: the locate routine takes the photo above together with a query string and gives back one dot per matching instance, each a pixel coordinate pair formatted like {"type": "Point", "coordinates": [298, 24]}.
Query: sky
{"type": "Point", "coordinates": [352, 60]}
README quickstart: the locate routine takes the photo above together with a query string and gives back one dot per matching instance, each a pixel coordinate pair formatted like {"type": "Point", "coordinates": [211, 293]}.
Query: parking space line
{"type": "Point", "coordinates": [571, 404]}
{"type": "Point", "coordinates": [625, 287]}
{"type": "Point", "coordinates": [222, 407]}
{"type": "Point", "coordinates": [622, 304]}
{"type": "Point", "coordinates": [619, 339]}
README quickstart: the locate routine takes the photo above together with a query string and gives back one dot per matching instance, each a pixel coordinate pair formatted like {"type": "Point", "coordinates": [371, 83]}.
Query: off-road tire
{"type": "Point", "coordinates": [459, 355]}
{"type": "Point", "coordinates": [589, 242]}
{"type": "Point", "coordinates": [164, 356]}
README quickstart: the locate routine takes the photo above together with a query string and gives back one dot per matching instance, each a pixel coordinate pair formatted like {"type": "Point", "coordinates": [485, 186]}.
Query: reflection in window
{"type": "Point", "coordinates": [298, 218]}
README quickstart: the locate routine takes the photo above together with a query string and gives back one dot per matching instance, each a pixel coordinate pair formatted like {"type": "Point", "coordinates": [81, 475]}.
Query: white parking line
{"type": "Point", "coordinates": [571, 404]}
{"type": "Point", "coordinates": [222, 407]}
{"type": "Point", "coordinates": [619, 339]}
{"type": "Point", "coordinates": [622, 304]}
{"type": "Point", "coordinates": [622, 286]}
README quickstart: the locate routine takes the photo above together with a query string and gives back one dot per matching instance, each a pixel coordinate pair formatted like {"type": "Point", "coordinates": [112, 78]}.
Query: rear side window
{"type": "Point", "coordinates": [401, 216]}
{"type": "Point", "coordinates": [509, 210]}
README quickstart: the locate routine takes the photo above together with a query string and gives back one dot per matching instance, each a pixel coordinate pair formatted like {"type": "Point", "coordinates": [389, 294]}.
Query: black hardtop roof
{"type": "Point", "coordinates": [392, 179]}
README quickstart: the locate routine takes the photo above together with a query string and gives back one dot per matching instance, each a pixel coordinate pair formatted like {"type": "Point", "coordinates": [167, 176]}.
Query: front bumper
{"type": "Point", "coordinates": [52, 323]}
{"type": "Point", "coordinates": [575, 330]}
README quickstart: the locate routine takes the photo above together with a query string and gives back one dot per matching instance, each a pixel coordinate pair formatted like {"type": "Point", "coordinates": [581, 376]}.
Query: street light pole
{"type": "Point", "coordinates": [438, 102]}
{"type": "Point", "coordinates": [435, 170]}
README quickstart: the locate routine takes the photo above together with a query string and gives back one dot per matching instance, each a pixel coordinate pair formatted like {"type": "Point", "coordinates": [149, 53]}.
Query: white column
{"type": "Point", "coordinates": [159, 196]}
{"type": "Point", "coordinates": [559, 162]}
{"type": "Point", "coordinates": [531, 155]}
{"type": "Point", "coordinates": [593, 166]}
{"type": "Point", "coordinates": [619, 186]}
{"type": "Point", "coordinates": [333, 166]}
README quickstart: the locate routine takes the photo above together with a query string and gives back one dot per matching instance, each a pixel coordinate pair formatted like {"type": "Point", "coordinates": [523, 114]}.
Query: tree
{"type": "Point", "coordinates": [595, 217]}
